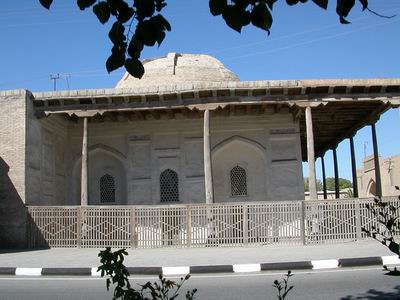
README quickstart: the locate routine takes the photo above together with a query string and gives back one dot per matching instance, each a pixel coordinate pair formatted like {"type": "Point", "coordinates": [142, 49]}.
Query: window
{"type": "Point", "coordinates": [169, 191]}
{"type": "Point", "coordinates": [107, 188]}
{"type": "Point", "coordinates": [238, 182]}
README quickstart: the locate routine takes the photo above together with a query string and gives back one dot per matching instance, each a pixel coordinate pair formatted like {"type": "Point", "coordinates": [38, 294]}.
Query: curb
{"type": "Point", "coordinates": [236, 268]}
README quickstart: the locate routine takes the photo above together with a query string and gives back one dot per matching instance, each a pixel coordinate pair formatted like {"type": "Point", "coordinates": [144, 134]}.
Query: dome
{"type": "Point", "coordinates": [178, 68]}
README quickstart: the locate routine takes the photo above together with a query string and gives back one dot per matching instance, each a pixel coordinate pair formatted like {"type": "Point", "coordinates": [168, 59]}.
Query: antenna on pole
{"type": "Point", "coordinates": [55, 77]}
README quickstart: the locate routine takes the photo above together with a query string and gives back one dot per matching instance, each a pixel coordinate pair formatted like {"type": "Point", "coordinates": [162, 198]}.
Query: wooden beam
{"type": "Point", "coordinates": [324, 177]}
{"type": "Point", "coordinates": [378, 181]}
{"type": "Point", "coordinates": [336, 170]}
{"type": "Point", "coordinates": [208, 182]}
{"type": "Point", "coordinates": [84, 164]}
{"type": "Point", "coordinates": [310, 156]}
{"type": "Point", "coordinates": [353, 168]}
{"type": "Point", "coordinates": [373, 116]}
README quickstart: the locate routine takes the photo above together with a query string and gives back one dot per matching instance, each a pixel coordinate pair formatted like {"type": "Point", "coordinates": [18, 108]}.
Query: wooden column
{"type": "Point", "coordinates": [335, 165]}
{"type": "Point", "coordinates": [353, 168]}
{"type": "Point", "coordinates": [312, 179]}
{"type": "Point", "coordinates": [324, 177]}
{"type": "Point", "coordinates": [208, 182]}
{"type": "Point", "coordinates": [378, 181]}
{"type": "Point", "coordinates": [84, 170]}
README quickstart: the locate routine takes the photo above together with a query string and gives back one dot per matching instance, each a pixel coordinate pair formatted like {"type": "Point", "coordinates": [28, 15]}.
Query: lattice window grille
{"type": "Point", "coordinates": [169, 189]}
{"type": "Point", "coordinates": [238, 181]}
{"type": "Point", "coordinates": [107, 189]}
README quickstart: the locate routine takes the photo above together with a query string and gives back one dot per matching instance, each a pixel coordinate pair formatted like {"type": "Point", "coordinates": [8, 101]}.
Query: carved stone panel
{"type": "Point", "coordinates": [283, 149]}
{"type": "Point", "coordinates": [141, 160]}
{"type": "Point", "coordinates": [284, 182]}
{"type": "Point", "coordinates": [194, 164]}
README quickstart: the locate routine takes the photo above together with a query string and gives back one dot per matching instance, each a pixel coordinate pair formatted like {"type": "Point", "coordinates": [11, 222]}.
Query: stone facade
{"type": "Point", "coordinates": [137, 153]}
{"type": "Point", "coordinates": [390, 176]}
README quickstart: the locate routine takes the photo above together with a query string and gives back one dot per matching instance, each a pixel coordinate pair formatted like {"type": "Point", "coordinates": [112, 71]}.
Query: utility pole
{"type": "Point", "coordinates": [55, 77]}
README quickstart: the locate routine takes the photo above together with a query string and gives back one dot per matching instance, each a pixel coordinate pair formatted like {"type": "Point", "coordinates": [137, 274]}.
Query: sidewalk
{"type": "Point", "coordinates": [270, 256]}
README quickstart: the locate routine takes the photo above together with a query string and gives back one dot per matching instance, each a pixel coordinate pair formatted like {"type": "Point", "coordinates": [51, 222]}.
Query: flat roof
{"type": "Point", "coordinates": [340, 107]}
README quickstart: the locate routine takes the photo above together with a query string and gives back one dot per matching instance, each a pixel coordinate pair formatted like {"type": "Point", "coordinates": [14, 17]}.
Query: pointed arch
{"type": "Point", "coordinates": [371, 188]}
{"type": "Point", "coordinates": [240, 140]}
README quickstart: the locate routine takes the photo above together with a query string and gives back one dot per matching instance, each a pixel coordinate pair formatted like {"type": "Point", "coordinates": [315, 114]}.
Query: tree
{"type": "Point", "coordinates": [307, 184]}
{"type": "Point", "coordinates": [151, 27]}
{"type": "Point", "coordinates": [343, 183]}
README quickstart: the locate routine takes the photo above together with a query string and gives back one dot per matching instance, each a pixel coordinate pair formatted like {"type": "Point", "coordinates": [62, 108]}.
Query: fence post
{"type": "Point", "coordinates": [358, 219]}
{"type": "Point", "coordinates": [79, 227]}
{"type": "Point", "coordinates": [245, 225]}
{"type": "Point", "coordinates": [302, 220]}
{"type": "Point", "coordinates": [188, 226]}
{"type": "Point", "coordinates": [133, 227]}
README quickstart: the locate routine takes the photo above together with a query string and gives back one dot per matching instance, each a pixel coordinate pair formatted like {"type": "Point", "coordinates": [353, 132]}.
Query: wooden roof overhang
{"type": "Point", "coordinates": [339, 107]}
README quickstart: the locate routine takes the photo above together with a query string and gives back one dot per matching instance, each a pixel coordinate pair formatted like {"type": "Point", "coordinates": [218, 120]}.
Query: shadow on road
{"type": "Point", "coordinates": [375, 294]}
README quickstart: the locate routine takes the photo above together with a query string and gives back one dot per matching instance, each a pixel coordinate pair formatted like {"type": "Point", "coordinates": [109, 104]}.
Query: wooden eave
{"type": "Point", "coordinates": [339, 107]}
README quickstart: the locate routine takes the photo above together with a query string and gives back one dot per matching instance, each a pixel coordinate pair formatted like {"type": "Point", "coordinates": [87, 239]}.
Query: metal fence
{"type": "Point", "coordinates": [222, 224]}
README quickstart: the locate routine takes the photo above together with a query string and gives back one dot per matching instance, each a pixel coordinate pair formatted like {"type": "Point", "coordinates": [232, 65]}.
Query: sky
{"type": "Point", "coordinates": [306, 42]}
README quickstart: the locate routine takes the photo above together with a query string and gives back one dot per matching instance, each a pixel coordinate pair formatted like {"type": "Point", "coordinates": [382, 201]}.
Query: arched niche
{"type": "Point", "coordinates": [102, 160]}
{"type": "Point", "coordinates": [246, 154]}
{"type": "Point", "coordinates": [371, 189]}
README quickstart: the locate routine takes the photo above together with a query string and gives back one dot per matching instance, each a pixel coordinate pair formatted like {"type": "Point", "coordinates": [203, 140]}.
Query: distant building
{"type": "Point", "coordinates": [390, 176]}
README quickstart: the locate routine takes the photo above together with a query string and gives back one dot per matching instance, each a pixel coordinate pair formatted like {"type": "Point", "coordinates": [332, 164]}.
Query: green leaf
{"type": "Point", "coordinates": [343, 9]}
{"type": "Point", "coordinates": [134, 67]}
{"type": "Point", "coordinates": [364, 4]}
{"type": "Point", "coordinates": [102, 11]}
{"type": "Point", "coordinates": [235, 17]}
{"type": "Point", "coordinates": [146, 33]}
{"type": "Point", "coordinates": [144, 8]}
{"type": "Point", "coordinates": [135, 47]}
{"type": "Point", "coordinates": [261, 17]}
{"type": "Point", "coordinates": [116, 33]}
{"type": "Point", "coordinates": [83, 4]}
{"type": "Point", "coordinates": [270, 3]}
{"type": "Point", "coordinates": [321, 3]}
{"type": "Point", "coordinates": [292, 2]}
{"type": "Point", "coordinates": [394, 247]}
{"type": "Point", "coordinates": [115, 61]}
{"type": "Point", "coordinates": [46, 3]}
{"type": "Point", "coordinates": [217, 7]}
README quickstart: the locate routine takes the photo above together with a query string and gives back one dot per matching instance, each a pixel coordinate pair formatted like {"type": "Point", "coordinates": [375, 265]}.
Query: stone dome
{"type": "Point", "coordinates": [178, 68]}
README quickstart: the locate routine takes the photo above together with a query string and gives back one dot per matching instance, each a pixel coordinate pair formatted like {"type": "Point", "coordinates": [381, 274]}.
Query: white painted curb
{"type": "Point", "coordinates": [28, 271]}
{"type": "Point", "coordinates": [325, 264]}
{"type": "Point", "coordinates": [391, 260]}
{"type": "Point", "coordinates": [168, 271]}
{"type": "Point", "coordinates": [244, 268]}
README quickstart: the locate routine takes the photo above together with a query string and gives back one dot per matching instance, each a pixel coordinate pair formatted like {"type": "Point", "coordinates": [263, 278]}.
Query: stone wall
{"type": "Point", "coordinates": [46, 160]}
{"type": "Point", "coordinates": [136, 153]}
{"type": "Point", "coordinates": [12, 168]}
{"type": "Point", "coordinates": [390, 176]}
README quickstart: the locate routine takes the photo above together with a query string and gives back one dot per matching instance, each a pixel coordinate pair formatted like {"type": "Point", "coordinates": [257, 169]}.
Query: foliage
{"type": "Point", "coordinates": [283, 287]}
{"type": "Point", "coordinates": [112, 266]}
{"type": "Point", "coordinates": [330, 184]}
{"type": "Point", "coordinates": [151, 26]}
{"type": "Point", "coordinates": [307, 184]}
{"type": "Point", "coordinates": [343, 183]}
{"type": "Point", "coordinates": [388, 219]}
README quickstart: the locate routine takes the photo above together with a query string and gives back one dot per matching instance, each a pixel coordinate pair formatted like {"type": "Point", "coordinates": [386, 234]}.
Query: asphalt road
{"type": "Point", "coordinates": [336, 284]}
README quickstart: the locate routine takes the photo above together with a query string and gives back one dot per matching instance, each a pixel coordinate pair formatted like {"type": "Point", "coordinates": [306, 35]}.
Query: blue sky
{"type": "Point", "coordinates": [305, 43]}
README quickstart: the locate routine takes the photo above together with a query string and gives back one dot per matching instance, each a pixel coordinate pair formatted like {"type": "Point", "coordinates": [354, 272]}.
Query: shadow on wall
{"type": "Point", "coordinates": [13, 214]}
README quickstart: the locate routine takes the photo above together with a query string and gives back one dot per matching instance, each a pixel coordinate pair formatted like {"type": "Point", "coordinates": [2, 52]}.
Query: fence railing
{"type": "Point", "coordinates": [222, 224]}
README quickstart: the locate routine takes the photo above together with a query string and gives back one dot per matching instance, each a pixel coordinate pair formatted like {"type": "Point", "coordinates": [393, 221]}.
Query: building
{"type": "Point", "coordinates": [188, 132]}
{"type": "Point", "coordinates": [390, 176]}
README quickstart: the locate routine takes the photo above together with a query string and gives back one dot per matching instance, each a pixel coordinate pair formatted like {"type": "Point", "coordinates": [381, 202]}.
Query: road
{"type": "Point", "coordinates": [336, 284]}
